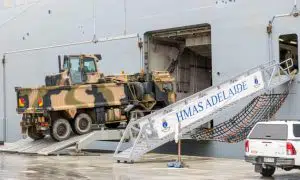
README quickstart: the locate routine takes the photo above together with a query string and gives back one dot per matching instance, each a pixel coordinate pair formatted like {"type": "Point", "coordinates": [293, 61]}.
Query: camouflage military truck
{"type": "Point", "coordinates": [80, 98]}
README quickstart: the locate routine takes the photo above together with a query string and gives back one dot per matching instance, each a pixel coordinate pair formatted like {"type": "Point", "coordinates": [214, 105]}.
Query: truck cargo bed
{"type": "Point", "coordinates": [55, 98]}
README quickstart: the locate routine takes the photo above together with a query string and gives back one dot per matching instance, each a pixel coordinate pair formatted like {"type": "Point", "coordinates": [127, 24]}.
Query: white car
{"type": "Point", "coordinates": [274, 144]}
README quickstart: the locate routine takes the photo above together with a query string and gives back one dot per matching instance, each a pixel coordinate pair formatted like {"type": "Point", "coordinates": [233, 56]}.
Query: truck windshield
{"type": "Point", "coordinates": [89, 65]}
{"type": "Point", "coordinates": [270, 131]}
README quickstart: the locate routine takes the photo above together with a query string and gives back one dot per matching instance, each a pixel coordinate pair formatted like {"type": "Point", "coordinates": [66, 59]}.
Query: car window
{"type": "Point", "coordinates": [296, 130]}
{"type": "Point", "coordinates": [270, 131]}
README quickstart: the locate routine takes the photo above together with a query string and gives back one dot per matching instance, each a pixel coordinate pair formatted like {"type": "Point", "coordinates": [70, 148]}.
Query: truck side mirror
{"type": "Point", "coordinates": [59, 64]}
{"type": "Point", "coordinates": [66, 58]}
{"type": "Point", "coordinates": [98, 56]}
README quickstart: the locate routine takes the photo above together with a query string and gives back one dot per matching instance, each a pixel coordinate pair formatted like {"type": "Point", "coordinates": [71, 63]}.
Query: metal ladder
{"type": "Point", "coordinates": [156, 129]}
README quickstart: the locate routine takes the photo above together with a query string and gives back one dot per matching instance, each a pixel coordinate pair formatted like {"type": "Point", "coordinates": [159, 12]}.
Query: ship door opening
{"type": "Point", "coordinates": [186, 53]}
{"type": "Point", "coordinates": [288, 48]}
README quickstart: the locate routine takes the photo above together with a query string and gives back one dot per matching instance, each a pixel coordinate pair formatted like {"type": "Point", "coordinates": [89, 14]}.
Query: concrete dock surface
{"type": "Point", "coordinates": [152, 166]}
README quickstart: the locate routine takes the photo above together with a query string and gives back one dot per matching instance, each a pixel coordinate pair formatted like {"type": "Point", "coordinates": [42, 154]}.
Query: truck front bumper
{"type": "Point", "coordinates": [277, 161]}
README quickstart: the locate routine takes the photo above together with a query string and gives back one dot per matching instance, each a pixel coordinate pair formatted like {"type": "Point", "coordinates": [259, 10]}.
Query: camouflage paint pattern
{"type": "Point", "coordinates": [106, 98]}
{"type": "Point", "coordinates": [56, 98]}
{"type": "Point", "coordinates": [71, 97]}
{"type": "Point", "coordinates": [93, 77]}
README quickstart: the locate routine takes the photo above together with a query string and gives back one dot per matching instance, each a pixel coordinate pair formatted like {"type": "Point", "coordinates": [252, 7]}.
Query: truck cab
{"type": "Point", "coordinates": [273, 144]}
{"type": "Point", "coordinates": [76, 69]}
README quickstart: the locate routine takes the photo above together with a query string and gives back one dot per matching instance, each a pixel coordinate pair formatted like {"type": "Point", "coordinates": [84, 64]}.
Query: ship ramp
{"type": "Point", "coordinates": [48, 146]}
{"type": "Point", "coordinates": [189, 114]}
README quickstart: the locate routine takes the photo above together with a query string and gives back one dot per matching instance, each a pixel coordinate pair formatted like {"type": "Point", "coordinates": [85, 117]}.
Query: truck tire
{"type": "Point", "coordinates": [288, 169]}
{"type": "Point", "coordinates": [82, 124]}
{"type": "Point", "coordinates": [34, 134]}
{"type": "Point", "coordinates": [60, 130]}
{"type": "Point", "coordinates": [268, 171]}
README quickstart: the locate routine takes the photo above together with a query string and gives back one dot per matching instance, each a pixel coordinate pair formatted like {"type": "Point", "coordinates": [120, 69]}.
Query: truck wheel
{"type": "Point", "coordinates": [60, 130]}
{"type": "Point", "coordinates": [268, 171]}
{"type": "Point", "coordinates": [112, 125]}
{"type": "Point", "coordinates": [288, 169]}
{"type": "Point", "coordinates": [34, 134]}
{"type": "Point", "coordinates": [82, 124]}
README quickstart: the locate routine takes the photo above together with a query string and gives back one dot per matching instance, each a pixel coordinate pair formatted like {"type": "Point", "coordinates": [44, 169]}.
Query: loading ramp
{"type": "Point", "coordinates": [48, 146]}
{"type": "Point", "coordinates": [158, 128]}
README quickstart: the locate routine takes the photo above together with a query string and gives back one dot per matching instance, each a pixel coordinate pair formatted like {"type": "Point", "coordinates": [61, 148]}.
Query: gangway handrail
{"type": "Point", "coordinates": [135, 142]}
{"type": "Point", "coordinates": [210, 88]}
{"type": "Point", "coordinates": [261, 67]}
{"type": "Point", "coordinates": [143, 122]}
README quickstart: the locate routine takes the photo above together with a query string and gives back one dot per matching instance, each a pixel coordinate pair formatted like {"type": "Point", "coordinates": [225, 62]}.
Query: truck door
{"type": "Point", "coordinates": [75, 70]}
{"type": "Point", "coordinates": [89, 70]}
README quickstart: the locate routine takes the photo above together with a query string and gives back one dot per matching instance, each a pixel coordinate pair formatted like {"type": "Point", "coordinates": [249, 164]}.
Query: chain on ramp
{"type": "Point", "coordinates": [237, 128]}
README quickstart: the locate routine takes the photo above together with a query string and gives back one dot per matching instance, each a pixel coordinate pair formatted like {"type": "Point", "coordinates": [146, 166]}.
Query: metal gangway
{"type": "Point", "coordinates": [154, 130]}
{"type": "Point", "coordinates": [73, 146]}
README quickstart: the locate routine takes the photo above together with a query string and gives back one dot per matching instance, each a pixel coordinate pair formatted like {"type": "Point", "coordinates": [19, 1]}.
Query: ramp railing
{"type": "Point", "coordinates": [158, 128]}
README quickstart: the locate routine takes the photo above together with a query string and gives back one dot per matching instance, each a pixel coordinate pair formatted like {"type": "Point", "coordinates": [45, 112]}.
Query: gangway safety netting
{"type": "Point", "coordinates": [238, 127]}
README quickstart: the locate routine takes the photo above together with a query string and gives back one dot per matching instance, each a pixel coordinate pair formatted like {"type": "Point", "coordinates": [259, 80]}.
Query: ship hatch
{"type": "Point", "coordinates": [288, 48]}
{"type": "Point", "coordinates": [185, 52]}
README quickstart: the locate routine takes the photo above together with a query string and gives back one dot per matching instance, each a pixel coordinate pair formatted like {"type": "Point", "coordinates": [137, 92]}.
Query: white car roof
{"type": "Point", "coordinates": [281, 122]}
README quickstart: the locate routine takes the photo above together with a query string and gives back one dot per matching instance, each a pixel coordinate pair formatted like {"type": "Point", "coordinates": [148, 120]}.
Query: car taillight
{"type": "Point", "coordinates": [21, 102]}
{"type": "Point", "coordinates": [290, 149]}
{"type": "Point", "coordinates": [44, 124]}
{"type": "Point", "coordinates": [247, 146]}
{"type": "Point", "coordinates": [40, 102]}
